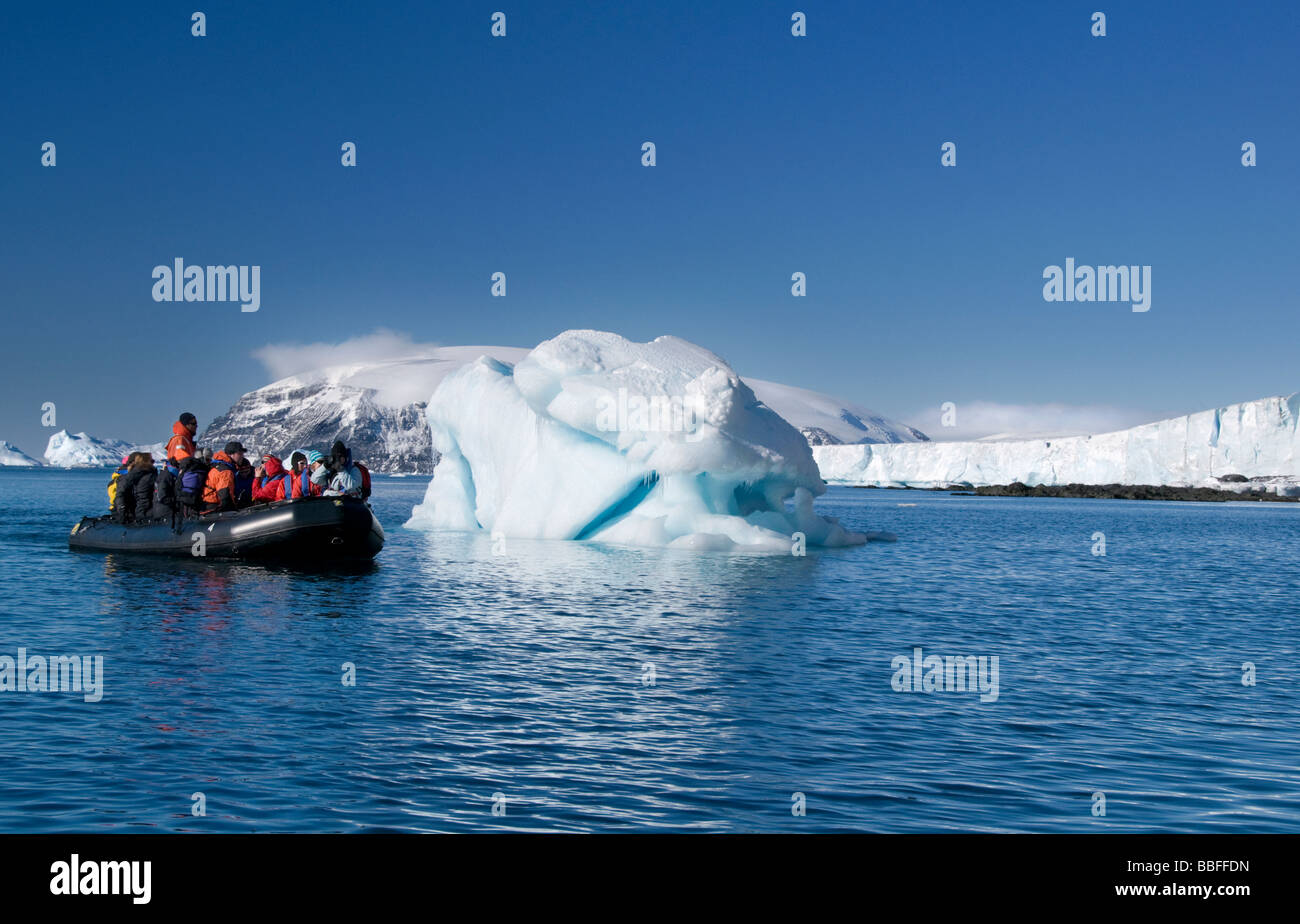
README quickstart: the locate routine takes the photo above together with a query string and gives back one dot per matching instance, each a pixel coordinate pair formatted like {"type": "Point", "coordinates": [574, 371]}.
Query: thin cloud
{"type": "Point", "coordinates": [285, 359]}
{"type": "Point", "coordinates": [977, 420]}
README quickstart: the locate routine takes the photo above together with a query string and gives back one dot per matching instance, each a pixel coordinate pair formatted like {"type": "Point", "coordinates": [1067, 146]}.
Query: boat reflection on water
{"type": "Point", "coordinates": [175, 590]}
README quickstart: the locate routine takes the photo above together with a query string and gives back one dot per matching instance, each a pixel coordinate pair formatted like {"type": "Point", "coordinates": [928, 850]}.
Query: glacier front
{"type": "Point", "coordinates": [592, 436]}
{"type": "Point", "coordinates": [1255, 439]}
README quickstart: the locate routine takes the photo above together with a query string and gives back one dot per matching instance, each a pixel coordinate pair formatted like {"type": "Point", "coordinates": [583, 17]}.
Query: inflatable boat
{"type": "Point", "coordinates": [313, 528]}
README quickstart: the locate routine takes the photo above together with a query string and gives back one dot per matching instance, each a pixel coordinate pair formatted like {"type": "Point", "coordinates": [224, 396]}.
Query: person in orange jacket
{"type": "Point", "coordinates": [271, 481]}
{"type": "Point", "coordinates": [219, 491]}
{"type": "Point", "coordinates": [181, 445]}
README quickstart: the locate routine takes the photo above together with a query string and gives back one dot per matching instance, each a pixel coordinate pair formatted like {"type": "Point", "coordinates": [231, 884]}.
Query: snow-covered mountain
{"type": "Point", "coordinates": [12, 455]}
{"type": "Point", "coordinates": [824, 420]}
{"type": "Point", "coordinates": [378, 409]}
{"type": "Point", "coordinates": [1255, 439]}
{"type": "Point", "coordinates": [81, 450]}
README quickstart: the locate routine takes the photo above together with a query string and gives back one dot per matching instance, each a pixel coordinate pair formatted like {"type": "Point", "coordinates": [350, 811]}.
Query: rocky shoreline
{"type": "Point", "coordinates": [1128, 492]}
{"type": "Point", "coordinates": [1111, 491]}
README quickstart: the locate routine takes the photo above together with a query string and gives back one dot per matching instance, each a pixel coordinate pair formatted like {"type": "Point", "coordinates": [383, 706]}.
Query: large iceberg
{"type": "Point", "coordinates": [1255, 439]}
{"type": "Point", "coordinates": [81, 450]}
{"type": "Point", "coordinates": [591, 436]}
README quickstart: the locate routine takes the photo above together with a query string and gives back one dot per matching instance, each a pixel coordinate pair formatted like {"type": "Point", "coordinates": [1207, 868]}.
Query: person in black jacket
{"type": "Point", "coordinates": [244, 477]}
{"type": "Point", "coordinates": [134, 500]}
{"type": "Point", "coordinates": [164, 492]}
{"type": "Point", "coordinates": [123, 506]}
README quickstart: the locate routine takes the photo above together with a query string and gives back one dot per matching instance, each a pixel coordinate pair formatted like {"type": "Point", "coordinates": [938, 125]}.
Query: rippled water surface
{"type": "Point", "coordinates": [528, 675]}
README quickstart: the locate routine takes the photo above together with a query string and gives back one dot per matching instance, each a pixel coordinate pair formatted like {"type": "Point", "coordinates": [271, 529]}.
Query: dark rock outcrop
{"type": "Point", "coordinates": [1127, 492]}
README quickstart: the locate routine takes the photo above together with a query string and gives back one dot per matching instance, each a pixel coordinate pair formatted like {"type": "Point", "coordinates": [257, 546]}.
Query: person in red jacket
{"type": "Point", "coordinates": [297, 462]}
{"type": "Point", "coordinates": [303, 485]}
{"type": "Point", "coordinates": [271, 482]}
{"type": "Point", "coordinates": [181, 445]}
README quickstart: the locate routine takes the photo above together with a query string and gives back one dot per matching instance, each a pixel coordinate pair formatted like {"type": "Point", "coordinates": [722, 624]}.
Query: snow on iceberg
{"type": "Point", "coordinates": [13, 456]}
{"type": "Point", "coordinates": [1257, 439]}
{"type": "Point", "coordinates": [591, 436]}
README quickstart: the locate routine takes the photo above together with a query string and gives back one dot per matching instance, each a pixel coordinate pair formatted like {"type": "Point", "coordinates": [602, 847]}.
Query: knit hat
{"type": "Point", "coordinates": [314, 456]}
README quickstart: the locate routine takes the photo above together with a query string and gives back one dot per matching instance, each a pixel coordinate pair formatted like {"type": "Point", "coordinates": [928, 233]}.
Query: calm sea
{"type": "Point", "coordinates": [570, 686]}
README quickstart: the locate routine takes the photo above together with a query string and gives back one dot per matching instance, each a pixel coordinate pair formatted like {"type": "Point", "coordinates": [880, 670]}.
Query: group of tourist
{"type": "Point", "coordinates": [191, 481]}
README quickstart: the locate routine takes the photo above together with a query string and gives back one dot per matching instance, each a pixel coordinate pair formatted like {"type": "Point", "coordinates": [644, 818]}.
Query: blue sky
{"type": "Point", "coordinates": [775, 154]}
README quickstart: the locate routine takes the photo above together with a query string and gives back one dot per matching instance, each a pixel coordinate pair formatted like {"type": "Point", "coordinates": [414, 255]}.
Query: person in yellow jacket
{"type": "Point", "coordinates": [118, 474]}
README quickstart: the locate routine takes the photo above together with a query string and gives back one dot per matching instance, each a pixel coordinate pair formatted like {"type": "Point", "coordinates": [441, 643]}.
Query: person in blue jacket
{"type": "Point", "coordinates": [340, 476]}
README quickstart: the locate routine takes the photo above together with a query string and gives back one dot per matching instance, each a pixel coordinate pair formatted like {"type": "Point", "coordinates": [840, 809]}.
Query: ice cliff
{"type": "Point", "coordinates": [1256, 439]}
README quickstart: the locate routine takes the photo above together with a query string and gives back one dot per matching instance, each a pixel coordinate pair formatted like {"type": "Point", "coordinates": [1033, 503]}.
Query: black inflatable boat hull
{"type": "Point", "coordinates": [316, 528]}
